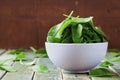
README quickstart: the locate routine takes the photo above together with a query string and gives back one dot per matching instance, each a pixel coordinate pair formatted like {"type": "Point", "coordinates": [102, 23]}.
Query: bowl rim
{"type": "Point", "coordinates": [76, 43]}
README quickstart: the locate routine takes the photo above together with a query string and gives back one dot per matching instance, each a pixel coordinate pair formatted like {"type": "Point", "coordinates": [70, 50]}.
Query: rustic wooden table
{"type": "Point", "coordinates": [26, 73]}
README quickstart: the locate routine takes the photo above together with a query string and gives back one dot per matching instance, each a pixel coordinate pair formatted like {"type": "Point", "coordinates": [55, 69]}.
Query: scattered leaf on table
{"type": "Point", "coordinates": [114, 59]}
{"type": "Point", "coordinates": [106, 64]}
{"type": "Point", "coordinates": [40, 68]}
{"type": "Point", "coordinates": [7, 68]}
{"type": "Point", "coordinates": [28, 63]}
{"type": "Point", "coordinates": [17, 51]}
{"type": "Point", "coordinates": [100, 72]}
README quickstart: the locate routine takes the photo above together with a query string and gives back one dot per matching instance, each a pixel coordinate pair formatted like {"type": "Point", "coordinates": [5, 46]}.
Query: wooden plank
{"type": "Point", "coordinates": [53, 74]}
{"type": "Point", "coordinates": [70, 76]}
{"type": "Point", "coordinates": [116, 68]}
{"type": "Point", "coordinates": [2, 51]}
{"type": "Point", "coordinates": [23, 72]}
{"type": "Point", "coordinates": [4, 57]}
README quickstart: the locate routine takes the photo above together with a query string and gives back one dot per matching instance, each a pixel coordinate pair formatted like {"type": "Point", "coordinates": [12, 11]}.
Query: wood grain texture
{"type": "Point", "coordinates": [25, 23]}
{"type": "Point", "coordinates": [70, 76]}
{"type": "Point", "coordinates": [23, 73]}
{"type": "Point", "coordinates": [2, 51]}
{"type": "Point", "coordinates": [4, 57]}
{"type": "Point", "coordinates": [53, 74]}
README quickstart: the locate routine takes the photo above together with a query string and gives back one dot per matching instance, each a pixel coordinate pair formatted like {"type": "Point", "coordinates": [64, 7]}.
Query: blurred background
{"type": "Point", "coordinates": [25, 23]}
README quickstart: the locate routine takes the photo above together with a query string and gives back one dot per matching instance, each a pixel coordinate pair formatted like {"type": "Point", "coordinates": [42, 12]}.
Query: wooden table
{"type": "Point", "coordinates": [26, 73]}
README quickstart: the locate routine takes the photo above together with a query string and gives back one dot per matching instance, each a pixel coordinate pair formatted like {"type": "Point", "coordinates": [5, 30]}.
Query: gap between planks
{"type": "Point", "coordinates": [70, 76]}
{"type": "Point", "coordinates": [23, 72]}
{"type": "Point", "coordinates": [53, 74]}
{"type": "Point", "coordinates": [2, 51]}
{"type": "Point", "coordinates": [5, 56]}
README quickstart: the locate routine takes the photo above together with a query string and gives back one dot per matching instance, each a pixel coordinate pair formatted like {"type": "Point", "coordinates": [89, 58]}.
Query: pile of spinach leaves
{"type": "Point", "coordinates": [76, 30]}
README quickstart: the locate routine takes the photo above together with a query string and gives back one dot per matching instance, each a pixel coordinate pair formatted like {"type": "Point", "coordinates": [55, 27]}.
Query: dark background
{"type": "Point", "coordinates": [25, 23]}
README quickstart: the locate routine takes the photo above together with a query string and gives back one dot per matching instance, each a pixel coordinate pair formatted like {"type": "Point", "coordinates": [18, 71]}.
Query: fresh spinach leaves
{"type": "Point", "coordinates": [81, 30]}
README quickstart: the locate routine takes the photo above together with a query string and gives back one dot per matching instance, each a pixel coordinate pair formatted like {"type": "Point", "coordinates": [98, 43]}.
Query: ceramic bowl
{"type": "Point", "coordinates": [76, 58]}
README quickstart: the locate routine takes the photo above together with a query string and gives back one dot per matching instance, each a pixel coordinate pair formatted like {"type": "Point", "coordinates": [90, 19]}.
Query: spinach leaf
{"type": "Point", "coordinates": [20, 56]}
{"type": "Point", "coordinates": [83, 20]}
{"type": "Point", "coordinates": [4, 61]}
{"type": "Point", "coordinates": [40, 68]}
{"type": "Point", "coordinates": [28, 63]}
{"type": "Point", "coordinates": [17, 51]}
{"type": "Point", "coordinates": [7, 68]}
{"type": "Point", "coordinates": [100, 72]}
{"type": "Point", "coordinates": [77, 33]}
{"type": "Point", "coordinates": [40, 53]}
{"type": "Point", "coordinates": [113, 52]}
{"type": "Point", "coordinates": [106, 64]}
{"type": "Point", "coordinates": [52, 33]}
{"type": "Point", "coordinates": [67, 36]}
{"type": "Point", "coordinates": [114, 59]}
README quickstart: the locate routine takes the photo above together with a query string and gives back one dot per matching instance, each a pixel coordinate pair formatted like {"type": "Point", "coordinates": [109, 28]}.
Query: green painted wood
{"type": "Point", "coordinates": [53, 74]}
{"type": "Point", "coordinates": [70, 76]}
{"type": "Point", "coordinates": [5, 56]}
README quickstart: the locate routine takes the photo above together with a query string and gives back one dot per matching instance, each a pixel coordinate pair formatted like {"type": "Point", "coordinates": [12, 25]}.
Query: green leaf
{"type": "Point", "coordinates": [28, 63]}
{"type": "Point", "coordinates": [4, 61]}
{"type": "Point", "coordinates": [83, 20]}
{"type": "Point", "coordinates": [41, 50]}
{"type": "Point", "coordinates": [17, 51]}
{"type": "Point", "coordinates": [7, 68]}
{"type": "Point", "coordinates": [52, 34]}
{"type": "Point", "coordinates": [40, 53]}
{"type": "Point", "coordinates": [40, 68]}
{"type": "Point", "coordinates": [98, 30]}
{"type": "Point", "coordinates": [100, 72]}
{"type": "Point", "coordinates": [114, 59]}
{"type": "Point", "coordinates": [67, 36]}
{"type": "Point", "coordinates": [113, 52]}
{"type": "Point", "coordinates": [20, 56]}
{"type": "Point", "coordinates": [41, 56]}
{"type": "Point", "coordinates": [77, 33]}
{"type": "Point", "coordinates": [106, 64]}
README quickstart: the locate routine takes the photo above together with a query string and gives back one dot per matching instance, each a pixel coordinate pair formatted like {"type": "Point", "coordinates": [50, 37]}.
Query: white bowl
{"type": "Point", "coordinates": [76, 57]}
